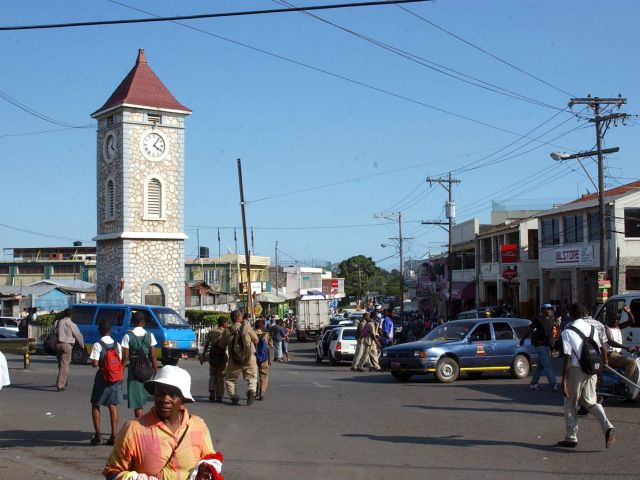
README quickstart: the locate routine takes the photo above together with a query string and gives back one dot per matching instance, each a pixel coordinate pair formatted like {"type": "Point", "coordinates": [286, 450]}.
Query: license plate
{"type": "Point", "coordinates": [396, 364]}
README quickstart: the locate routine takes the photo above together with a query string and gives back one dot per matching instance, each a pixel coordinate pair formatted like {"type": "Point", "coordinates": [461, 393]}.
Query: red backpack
{"type": "Point", "coordinates": [112, 369]}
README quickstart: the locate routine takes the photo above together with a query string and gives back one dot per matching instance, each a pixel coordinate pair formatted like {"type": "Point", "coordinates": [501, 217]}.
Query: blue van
{"type": "Point", "coordinates": [173, 333]}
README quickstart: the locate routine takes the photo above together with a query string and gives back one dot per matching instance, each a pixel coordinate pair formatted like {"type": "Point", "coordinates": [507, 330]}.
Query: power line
{"type": "Point", "coordinates": [332, 74]}
{"type": "Point", "coordinates": [442, 69]}
{"type": "Point", "coordinates": [40, 234]}
{"type": "Point", "coordinates": [495, 57]}
{"type": "Point", "coordinates": [9, 99]}
{"type": "Point", "coordinates": [202, 16]}
{"type": "Point", "coordinates": [40, 132]}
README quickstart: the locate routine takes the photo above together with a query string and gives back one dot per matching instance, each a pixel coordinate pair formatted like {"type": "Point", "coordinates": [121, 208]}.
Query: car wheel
{"type": "Point", "coordinates": [401, 377]}
{"type": "Point", "coordinates": [520, 367]}
{"type": "Point", "coordinates": [318, 358]}
{"type": "Point", "coordinates": [474, 375]}
{"type": "Point", "coordinates": [332, 360]}
{"type": "Point", "coordinates": [79, 356]}
{"type": "Point", "coordinates": [447, 370]}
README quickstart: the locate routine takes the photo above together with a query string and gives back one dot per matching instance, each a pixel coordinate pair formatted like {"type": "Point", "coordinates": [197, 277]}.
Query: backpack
{"type": "Point", "coordinates": [239, 351]}
{"type": "Point", "coordinates": [141, 367]}
{"type": "Point", "coordinates": [262, 350]}
{"type": "Point", "coordinates": [110, 364]}
{"type": "Point", "coordinates": [50, 343]}
{"type": "Point", "coordinates": [590, 358]}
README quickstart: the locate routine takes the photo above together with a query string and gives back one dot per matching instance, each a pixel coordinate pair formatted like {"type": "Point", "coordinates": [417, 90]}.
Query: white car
{"type": "Point", "coordinates": [338, 344]}
{"type": "Point", "coordinates": [8, 327]}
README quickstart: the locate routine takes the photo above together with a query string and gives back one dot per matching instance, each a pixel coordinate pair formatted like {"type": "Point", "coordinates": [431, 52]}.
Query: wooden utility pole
{"type": "Point", "coordinates": [247, 253]}
{"type": "Point", "coordinates": [599, 120]}
{"type": "Point", "coordinates": [450, 212]}
{"type": "Point", "coordinates": [397, 216]}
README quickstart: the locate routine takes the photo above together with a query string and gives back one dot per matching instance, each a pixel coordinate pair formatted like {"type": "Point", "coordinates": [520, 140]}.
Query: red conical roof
{"type": "Point", "coordinates": [142, 88]}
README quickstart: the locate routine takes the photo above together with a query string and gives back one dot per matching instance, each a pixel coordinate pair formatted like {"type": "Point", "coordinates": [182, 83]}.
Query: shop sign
{"type": "Point", "coordinates": [510, 273]}
{"type": "Point", "coordinates": [509, 253]}
{"type": "Point", "coordinates": [574, 256]}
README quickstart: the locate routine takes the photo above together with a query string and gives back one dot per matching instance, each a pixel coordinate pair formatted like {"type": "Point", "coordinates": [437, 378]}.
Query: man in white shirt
{"type": "Point", "coordinates": [579, 387]}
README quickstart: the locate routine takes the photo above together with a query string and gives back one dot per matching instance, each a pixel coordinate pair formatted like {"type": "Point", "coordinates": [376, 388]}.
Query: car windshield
{"type": "Point", "coordinates": [450, 331]}
{"type": "Point", "coordinates": [169, 318]}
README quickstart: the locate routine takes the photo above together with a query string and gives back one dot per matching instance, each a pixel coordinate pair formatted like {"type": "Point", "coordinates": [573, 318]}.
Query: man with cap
{"type": "Point", "coordinates": [166, 442]}
{"type": "Point", "coordinates": [541, 332]}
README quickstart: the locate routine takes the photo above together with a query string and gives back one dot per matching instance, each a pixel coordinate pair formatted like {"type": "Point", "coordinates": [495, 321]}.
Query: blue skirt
{"type": "Point", "coordinates": [105, 394]}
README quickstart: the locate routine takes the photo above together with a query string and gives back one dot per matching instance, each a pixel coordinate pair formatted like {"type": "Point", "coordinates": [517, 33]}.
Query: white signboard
{"type": "Point", "coordinates": [579, 255]}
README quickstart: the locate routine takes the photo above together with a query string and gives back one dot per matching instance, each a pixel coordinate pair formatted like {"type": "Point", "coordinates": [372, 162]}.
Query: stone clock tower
{"type": "Point", "coordinates": [140, 192]}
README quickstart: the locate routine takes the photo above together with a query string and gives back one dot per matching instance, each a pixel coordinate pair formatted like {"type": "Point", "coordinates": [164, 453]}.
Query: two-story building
{"type": "Point", "coordinates": [570, 247]}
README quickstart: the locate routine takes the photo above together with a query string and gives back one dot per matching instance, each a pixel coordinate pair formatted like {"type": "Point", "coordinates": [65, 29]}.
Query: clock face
{"type": "Point", "coordinates": [110, 147]}
{"type": "Point", "coordinates": [153, 146]}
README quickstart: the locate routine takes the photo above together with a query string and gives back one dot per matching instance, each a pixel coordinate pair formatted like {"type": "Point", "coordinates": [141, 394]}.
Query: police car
{"type": "Point", "coordinates": [469, 346]}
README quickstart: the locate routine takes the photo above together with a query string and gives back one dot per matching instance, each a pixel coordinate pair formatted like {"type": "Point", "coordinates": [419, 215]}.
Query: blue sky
{"type": "Point", "coordinates": [319, 150]}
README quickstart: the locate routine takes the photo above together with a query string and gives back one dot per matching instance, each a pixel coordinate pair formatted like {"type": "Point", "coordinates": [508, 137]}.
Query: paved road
{"type": "Point", "coordinates": [321, 422]}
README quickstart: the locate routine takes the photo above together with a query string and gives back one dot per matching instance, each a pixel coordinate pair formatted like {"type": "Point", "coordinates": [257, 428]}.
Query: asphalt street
{"type": "Point", "coordinates": [320, 422]}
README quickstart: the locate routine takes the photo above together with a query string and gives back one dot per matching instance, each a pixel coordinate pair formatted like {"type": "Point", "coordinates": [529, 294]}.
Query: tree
{"type": "Point", "coordinates": [359, 273]}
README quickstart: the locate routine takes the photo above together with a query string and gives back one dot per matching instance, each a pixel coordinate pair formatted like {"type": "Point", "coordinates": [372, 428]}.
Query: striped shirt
{"type": "Point", "coordinates": [145, 444]}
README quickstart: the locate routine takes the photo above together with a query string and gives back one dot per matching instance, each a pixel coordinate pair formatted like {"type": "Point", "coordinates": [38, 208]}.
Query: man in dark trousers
{"type": "Point", "coordinates": [218, 359]}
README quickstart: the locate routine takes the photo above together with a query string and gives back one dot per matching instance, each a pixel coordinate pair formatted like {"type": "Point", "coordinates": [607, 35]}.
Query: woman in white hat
{"type": "Point", "coordinates": [166, 442]}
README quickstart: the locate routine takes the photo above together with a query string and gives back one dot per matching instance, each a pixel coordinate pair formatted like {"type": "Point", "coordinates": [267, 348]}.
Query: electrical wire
{"type": "Point", "coordinates": [40, 234]}
{"type": "Point", "coordinates": [9, 99]}
{"type": "Point", "coordinates": [335, 75]}
{"type": "Point", "coordinates": [442, 69]}
{"type": "Point", "coordinates": [495, 57]}
{"type": "Point", "coordinates": [202, 16]}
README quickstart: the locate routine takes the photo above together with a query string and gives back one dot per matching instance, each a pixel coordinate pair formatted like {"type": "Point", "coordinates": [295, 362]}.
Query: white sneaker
{"type": "Point", "coordinates": [534, 386]}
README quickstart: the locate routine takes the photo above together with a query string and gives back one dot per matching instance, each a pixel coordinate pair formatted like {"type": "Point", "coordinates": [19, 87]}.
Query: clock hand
{"type": "Point", "coordinates": [155, 144]}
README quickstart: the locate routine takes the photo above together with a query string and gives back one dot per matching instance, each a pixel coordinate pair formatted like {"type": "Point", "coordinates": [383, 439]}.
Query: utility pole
{"type": "Point", "coordinates": [276, 268]}
{"type": "Point", "coordinates": [600, 120]}
{"type": "Point", "coordinates": [247, 254]}
{"type": "Point", "coordinates": [400, 239]}
{"type": "Point", "coordinates": [450, 213]}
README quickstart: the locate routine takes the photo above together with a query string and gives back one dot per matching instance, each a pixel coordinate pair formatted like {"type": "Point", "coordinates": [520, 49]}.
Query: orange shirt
{"type": "Point", "coordinates": [145, 444]}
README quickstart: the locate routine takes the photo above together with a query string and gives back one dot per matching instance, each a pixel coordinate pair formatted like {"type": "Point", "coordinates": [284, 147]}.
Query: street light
{"type": "Point", "coordinates": [601, 213]}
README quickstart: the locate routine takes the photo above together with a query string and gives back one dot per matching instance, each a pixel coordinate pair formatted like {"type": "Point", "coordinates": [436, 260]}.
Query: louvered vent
{"type": "Point", "coordinates": [111, 200]}
{"type": "Point", "coordinates": [154, 198]}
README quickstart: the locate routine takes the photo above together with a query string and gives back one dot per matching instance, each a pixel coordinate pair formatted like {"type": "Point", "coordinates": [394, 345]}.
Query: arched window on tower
{"type": "Point", "coordinates": [154, 199]}
{"type": "Point", "coordinates": [154, 295]}
{"type": "Point", "coordinates": [109, 294]}
{"type": "Point", "coordinates": [110, 200]}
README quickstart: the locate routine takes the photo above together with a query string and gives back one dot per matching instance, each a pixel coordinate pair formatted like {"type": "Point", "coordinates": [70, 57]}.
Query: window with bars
{"type": "Point", "coordinates": [110, 207]}
{"type": "Point", "coordinates": [154, 199]}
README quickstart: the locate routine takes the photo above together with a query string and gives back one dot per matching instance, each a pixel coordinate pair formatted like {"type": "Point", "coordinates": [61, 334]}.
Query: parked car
{"type": "Point", "coordinates": [9, 327]}
{"type": "Point", "coordinates": [468, 346]}
{"type": "Point", "coordinates": [614, 308]}
{"type": "Point", "coordinates": [173, 333]}
{"type": "Point", "coordinates": [476, 313]}
{"type": "Point", "coordinates": [337, 344]}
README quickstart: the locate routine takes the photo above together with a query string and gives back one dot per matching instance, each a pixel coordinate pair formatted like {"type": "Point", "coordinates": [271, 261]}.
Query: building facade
{"type": "Point", "coordinates": [140, 192]}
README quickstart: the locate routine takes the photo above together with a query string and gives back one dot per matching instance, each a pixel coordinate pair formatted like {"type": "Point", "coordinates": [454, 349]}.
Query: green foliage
{"type": "Point", "coordinates": [362, 275]}
{"type": "Point", "coordinates": [47, 319]}
{"type": "Point", "coordinates": [205, 317]}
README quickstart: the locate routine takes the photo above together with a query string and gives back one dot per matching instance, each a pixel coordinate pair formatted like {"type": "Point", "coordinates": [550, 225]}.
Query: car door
{"type": "Point", "coordinates": [479, 347]}
{"type": "Point", "coordinates": [505, 343]}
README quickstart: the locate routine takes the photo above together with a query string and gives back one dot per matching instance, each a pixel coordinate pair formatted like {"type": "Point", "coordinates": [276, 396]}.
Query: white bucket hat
{"type": "Point", "coordinates": [174, 376]}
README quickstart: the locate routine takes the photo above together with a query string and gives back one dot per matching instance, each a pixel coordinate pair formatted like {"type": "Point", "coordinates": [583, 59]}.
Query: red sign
{"type": "Point", "coordinates": [509, 253]}
{"type": "Point", "coordinates": [510, 273]}
{"type": "Point", "coordinates": [334, 283]}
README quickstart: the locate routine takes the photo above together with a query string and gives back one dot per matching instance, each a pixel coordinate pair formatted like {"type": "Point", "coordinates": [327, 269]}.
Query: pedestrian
{"type": "Point", "coordinates": [386, 329]}
{"type": "Point", "coordinates": [68, 334]}
{"type": "Point", "coordinates": [241, 340]}
{"type": "Point", "coordinates": [165, 443]}
{"type": "Point", "coordinates": [359, 347]}
{"type": "Point", "coordinates": [541, 332]}
{"type": "Point", "coordinates": [615, 346]}
{"type": "Point", "coordinates": [104, 393]}
{"type": "Point", "coordinates": [285, 343]}
{"type": "Point", "coordinates": [25, 323]}
{"type": "Point", "coordinates": [370, 339]}
{"type": "Point", "coordinates": [579, 387]}
{"type": "Point", "coordinates": [277, 336]}
{"type": "Point", "coordinates": [263, 359]}
{"type": "Point", "coordinates": [135, 343]}
{"type": "Point", "coordinates": [4, 372]}
{"type": "Point", "coordinates": [218, 359]}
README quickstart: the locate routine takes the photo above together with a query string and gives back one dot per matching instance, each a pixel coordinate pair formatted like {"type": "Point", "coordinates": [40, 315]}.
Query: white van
{"type": "Point", "coordinates": [630, 335]}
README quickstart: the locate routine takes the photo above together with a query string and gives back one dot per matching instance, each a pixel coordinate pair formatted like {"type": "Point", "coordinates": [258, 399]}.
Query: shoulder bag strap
{"type": "Point", "coordinates": [136, 344]}
{"type": "Point", "coordinates": [173, 451]}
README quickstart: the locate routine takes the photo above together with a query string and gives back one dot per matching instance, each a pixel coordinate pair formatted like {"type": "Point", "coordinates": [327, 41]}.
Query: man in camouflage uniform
{"type": "Point", "coordinates": [248, 367]}
{"type": "Point", "coordinates": [218, 359]}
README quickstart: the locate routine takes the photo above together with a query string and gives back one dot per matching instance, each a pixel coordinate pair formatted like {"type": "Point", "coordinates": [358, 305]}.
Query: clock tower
{"type": "Point", "coordinates": [140, 192]}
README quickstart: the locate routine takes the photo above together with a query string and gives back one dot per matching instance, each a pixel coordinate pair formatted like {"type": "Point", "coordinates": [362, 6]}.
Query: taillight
{"type": "Point", "coordinates": [338, 346]}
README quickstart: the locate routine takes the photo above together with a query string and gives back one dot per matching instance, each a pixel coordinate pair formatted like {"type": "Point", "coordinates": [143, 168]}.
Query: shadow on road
{"type": "Point", "coordinates": [30, 386]}
{"type": "Point", "coordinates": [487, 410]}
{"type": "Point", "coordinates": [44, 438]}
{"type": "Point", "coordinates": [458, 441]}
